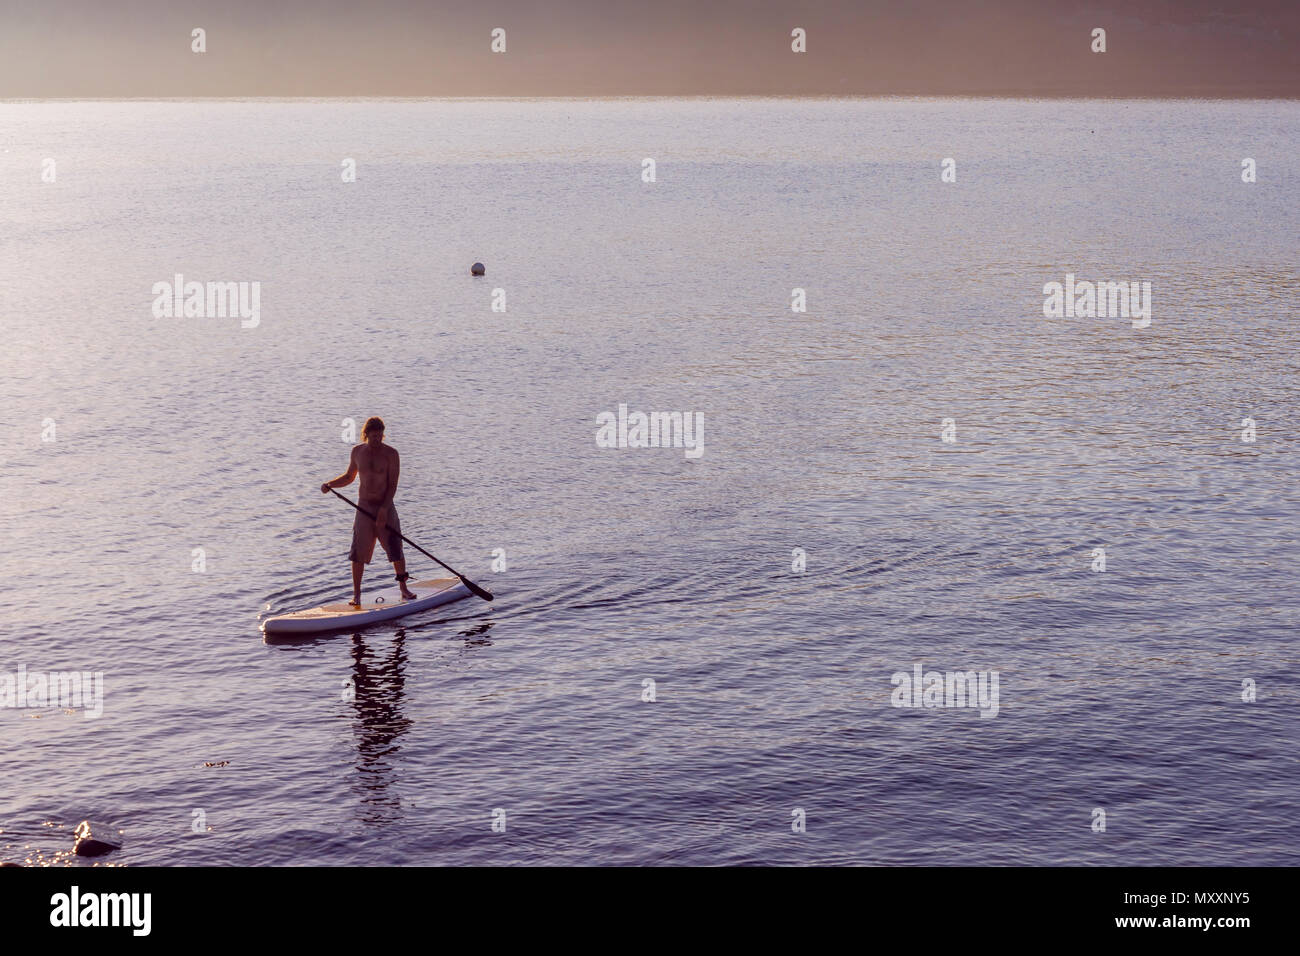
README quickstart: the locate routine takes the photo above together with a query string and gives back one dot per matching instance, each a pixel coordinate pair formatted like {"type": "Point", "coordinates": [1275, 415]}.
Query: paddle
{"type": "Point", "coordinates": [478, 591]}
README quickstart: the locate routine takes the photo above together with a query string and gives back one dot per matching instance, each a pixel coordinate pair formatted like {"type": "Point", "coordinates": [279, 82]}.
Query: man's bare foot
{"type": "Point", "coordinates": [355, 602]}
{"type": "Point", "coordinates": [407, 593]}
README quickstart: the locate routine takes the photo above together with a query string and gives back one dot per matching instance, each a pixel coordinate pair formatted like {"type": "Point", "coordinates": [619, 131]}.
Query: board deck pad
{"type": "Point", "coordinates": [378, 606]}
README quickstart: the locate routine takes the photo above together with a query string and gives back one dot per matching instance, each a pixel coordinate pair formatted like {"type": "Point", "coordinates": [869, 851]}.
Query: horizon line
{"type": "Point", "coordinates": [384, 97]}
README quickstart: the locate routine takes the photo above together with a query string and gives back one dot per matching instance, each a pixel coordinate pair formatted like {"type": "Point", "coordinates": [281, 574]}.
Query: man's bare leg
{"type": "Point", "coordinates": [358, 568]}
{"type": "Point", "coordinates": [399, 568]}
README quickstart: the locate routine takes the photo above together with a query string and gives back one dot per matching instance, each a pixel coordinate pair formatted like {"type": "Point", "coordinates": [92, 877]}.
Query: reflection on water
{"type": "Point", "coordinates": [379, 688]}
{"type": "Point", "coordinates": [378, 699]}
{"type": "Point", "coordinates": [476, 636]}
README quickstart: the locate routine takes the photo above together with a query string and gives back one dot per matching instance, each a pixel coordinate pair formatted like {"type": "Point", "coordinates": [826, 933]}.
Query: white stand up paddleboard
{"type": "Point", "coordinates": [380, 606]}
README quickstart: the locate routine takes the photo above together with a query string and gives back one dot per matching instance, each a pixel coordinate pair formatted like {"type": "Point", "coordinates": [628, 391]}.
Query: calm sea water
{"type": "Point", "coordinates": [1119, 690]}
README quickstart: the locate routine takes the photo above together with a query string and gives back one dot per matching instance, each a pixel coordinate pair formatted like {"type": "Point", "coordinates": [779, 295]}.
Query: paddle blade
{"type": "Point", "coordinates": [477, 591]}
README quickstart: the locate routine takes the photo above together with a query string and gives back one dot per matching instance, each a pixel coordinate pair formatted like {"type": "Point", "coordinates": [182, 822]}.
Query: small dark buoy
{"type": "Point", "coordinates": [477, 269]}
{"type": "Point", "coordinates": [95, 840]}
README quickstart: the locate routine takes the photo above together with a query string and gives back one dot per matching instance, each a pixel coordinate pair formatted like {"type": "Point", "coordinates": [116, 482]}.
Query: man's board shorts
{"type": "Point", "coordinates": [363, 537]}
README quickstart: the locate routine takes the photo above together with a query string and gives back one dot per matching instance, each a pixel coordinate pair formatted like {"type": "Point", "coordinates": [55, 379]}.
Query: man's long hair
{"type": "Point", "coordinates": [373, 424]}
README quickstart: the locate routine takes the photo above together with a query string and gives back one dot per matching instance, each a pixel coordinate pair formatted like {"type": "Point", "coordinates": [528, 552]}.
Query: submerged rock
{"type": "Point", "coordinates": [95, 840]}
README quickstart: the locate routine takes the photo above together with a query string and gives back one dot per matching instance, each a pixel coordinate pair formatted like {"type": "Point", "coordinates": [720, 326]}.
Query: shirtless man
{"type": "Point", "coordinates": [378, 466]}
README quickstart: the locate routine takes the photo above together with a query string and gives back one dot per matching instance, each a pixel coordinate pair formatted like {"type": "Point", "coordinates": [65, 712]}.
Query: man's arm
{"type": "Point", "coordinates": [394, 470]}
{"type": "Point", "coordinates": [344, 479]}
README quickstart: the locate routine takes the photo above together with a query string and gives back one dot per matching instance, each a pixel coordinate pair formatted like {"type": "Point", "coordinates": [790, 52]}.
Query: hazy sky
{"type": "Point", "coordinates": [615, 47]}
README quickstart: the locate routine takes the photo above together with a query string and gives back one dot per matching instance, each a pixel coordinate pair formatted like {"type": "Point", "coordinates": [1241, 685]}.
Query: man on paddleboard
{"type": "Point", "coordinates": [378, 466]}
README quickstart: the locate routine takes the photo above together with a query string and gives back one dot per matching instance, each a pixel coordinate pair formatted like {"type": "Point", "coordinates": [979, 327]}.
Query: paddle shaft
{"type": "Point", "coordinates": [480, 591]}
